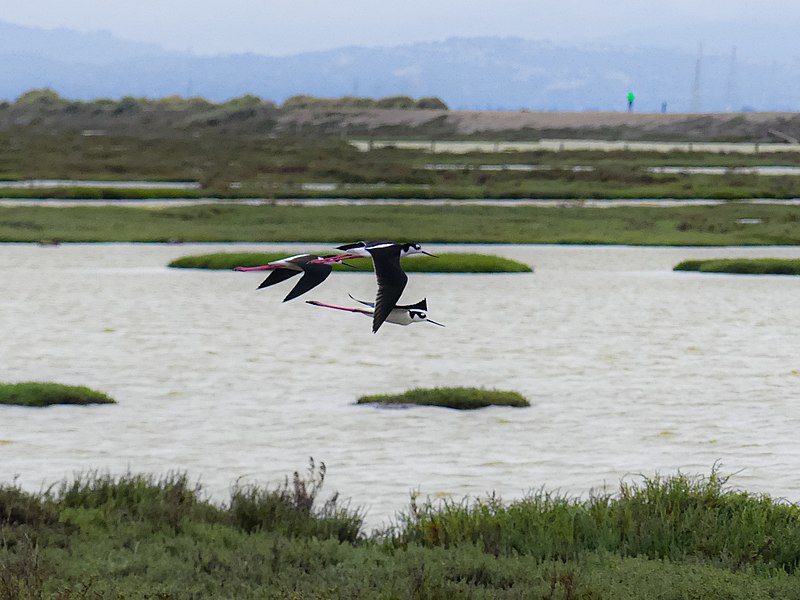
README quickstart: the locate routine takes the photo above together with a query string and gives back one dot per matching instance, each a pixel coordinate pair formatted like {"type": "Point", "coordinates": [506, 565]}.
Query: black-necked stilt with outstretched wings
{"type": "Point", "coordinates": [315, 270]}
{"type": "Point", "coordinates": [399, 315]}
{"type": "Point", "coordinates": [362, 248]}
{"type": "Point", "coordinates": [391, 277]}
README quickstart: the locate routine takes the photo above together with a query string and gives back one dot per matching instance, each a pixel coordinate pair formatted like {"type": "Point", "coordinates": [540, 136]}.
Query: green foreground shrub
{"type": "Point", "coordinates": [291, 509]}
{"type": "Point", "coordinates": [46, 394]}
{"type": "Point", "coordinates": [443, 263]}
{"type": "Point", "coordinates": [462, 398]}
{"type": "Point", "coordinates": [139, 536]}
{"type": "Point", "coordinates": [676, 518]}
{"type": "Point", "coordinates": [157, 501]}
{"type": "Point", "coordinates": [744, 266]}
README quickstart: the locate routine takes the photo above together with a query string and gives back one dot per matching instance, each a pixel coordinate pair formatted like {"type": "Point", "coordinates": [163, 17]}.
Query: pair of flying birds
{"type": "Point", "coordinates": [391, 279]}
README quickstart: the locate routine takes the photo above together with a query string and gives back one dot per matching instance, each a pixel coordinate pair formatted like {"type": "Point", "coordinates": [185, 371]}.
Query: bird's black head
{"type": "Point", "coordinates": [418, 316]}
{"type": "Point", "coordinates": [411, 248]}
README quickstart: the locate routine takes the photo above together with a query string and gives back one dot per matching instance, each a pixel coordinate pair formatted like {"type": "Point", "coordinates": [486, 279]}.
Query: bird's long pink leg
{"type": "Point", "coordinates": [347, 308]}
{"type": "Point", "coordinates": [261, 268]}
{"type": "Point", "coordinates": [335, 259]}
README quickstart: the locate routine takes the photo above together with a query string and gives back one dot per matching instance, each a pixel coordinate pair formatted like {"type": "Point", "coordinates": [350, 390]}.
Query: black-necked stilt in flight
{"type": "Point", "coordinates": [315, 270]}
{"type": "Point", "coordinates": [399, 315]}
{"type": "Point", "coordinates": [391, 277]}
{"type": "Point", "coordinates": [363, 248]}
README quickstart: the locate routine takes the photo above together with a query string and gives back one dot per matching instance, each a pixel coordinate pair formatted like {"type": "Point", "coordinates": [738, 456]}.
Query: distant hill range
{"type": "Point", "coordinates": [475, 73]}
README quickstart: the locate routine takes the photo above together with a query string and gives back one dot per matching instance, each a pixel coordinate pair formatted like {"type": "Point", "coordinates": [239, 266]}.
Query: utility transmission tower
{"type": "Point", "coordinates": [696, 105]}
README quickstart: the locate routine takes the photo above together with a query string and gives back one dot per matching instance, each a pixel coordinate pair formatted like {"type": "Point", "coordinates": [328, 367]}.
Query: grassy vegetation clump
{"type": "Point", "coordinates": [443, 263]}
{"type": "Point", "coordinates": [689, 265]}
{"type": "Point", "coordinates": [743, 266]}
{"type": "Point", "coordinates": [96, 193]}
{"type": "Point", "coordinates": [292, 509]}
{"type": "Point", "coordinates": [47, 394]}
{"type": "Point", "coordinates": [676, 518]}
{"type": "Point", "coordinates": [461, 398]}
{"type": "Point", "coordinates": [220, 261]}
{"type": "Point", "coordinates": [20, 508]}
{"type": "Point", "coordinates": [159, 501]}
{"type": "Point", "coordinates": [467, 262]}
{"type": "Point", "coordinates": [140, 536]}
{"type": "Point", "coordinates": [355, 102]}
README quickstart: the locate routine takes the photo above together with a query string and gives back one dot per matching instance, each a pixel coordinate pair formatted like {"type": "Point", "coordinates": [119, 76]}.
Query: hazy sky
{"type": "Point", "coordinates": [278, 27]}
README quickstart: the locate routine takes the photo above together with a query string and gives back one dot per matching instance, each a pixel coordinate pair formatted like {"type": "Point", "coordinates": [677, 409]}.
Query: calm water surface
{"type": "Point", "coordinates": [630, 368]}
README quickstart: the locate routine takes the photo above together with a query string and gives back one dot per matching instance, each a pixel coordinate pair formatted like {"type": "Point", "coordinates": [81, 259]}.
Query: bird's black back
{"type": "Point", "coordinates": [361, 244]}
{"type": "Point", "coordinates": [391, 282]}
{"type": "Point", "coordinates": [421, 305]}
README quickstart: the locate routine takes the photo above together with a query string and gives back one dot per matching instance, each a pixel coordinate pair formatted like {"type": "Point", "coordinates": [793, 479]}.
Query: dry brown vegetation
{"type": "Point", "coordinates": [396, 116]}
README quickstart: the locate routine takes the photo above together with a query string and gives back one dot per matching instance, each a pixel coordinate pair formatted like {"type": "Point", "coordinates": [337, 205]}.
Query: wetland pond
{"type": "Point", "coordinates": [630, 368]}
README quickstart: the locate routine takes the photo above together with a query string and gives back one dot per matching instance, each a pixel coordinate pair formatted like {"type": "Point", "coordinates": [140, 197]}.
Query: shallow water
{"type": "Point", "coordinates": [560, 145]}
{"type": "Point", "coordinates": [551, 203]}
{"type": "Point", "coordinates": [630, 368]}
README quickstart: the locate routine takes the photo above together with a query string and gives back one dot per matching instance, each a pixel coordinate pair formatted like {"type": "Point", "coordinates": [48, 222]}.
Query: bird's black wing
{"type": "Point", "coordinates": [361, 244]}
{"type": "Point", "coordinates": [313, 275]}
{"type": "Point", "coordinates": [277, 276]}
{"type": "Point", "coordinates": [391, 281]}
{"type": "Point", "coordinates": [351, 246]}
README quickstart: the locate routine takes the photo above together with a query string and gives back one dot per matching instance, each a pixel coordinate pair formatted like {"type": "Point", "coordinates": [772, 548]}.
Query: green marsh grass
{"type": "Point", "coordinates": [292, 509]}
{"type": "Point", "coordinates": [248, 147]}
{"type": "Point", "coordinates": [94, 193]}
{"type": "Point", "coordinates": [237, 164]}
{"type": "Point", "coordinates": [225, 261]}
{"type": "Point", "coordinates": [448, 262]}
{"type": "Point", "coordinates": [688, 265]}
{"type": "Point", "coordinates": [743, 266]}
{"type": "Point", "coordinates": [677, 518]}
{"type": "Point", "coordinates": [461, 398]}
{"type": "Point", "coordinates": [443, 263]}
{"type": "Point", "coordinates": [40, 394]}
{"type": "Point", "coordinates": [140, 536]}
{"type": "Point", "coordinates": [676, 226]}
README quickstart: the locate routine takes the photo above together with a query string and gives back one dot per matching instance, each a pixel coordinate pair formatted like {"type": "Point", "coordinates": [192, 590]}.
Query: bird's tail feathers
{"type": "Point", "coordinates": [370, 304]}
